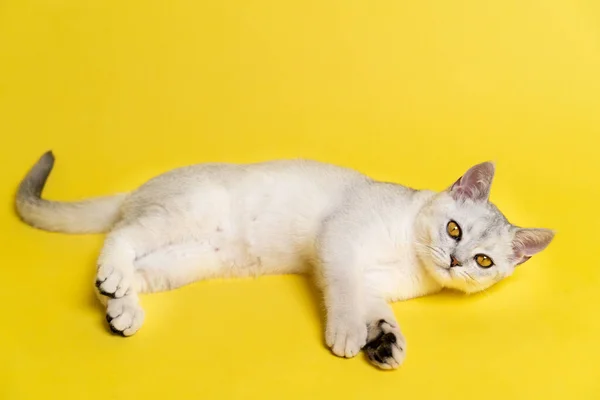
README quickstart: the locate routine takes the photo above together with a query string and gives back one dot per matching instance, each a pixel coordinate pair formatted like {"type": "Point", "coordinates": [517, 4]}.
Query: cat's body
{"type": "Point", "coordinates": [267, 218]}
{"type": "Point", "coordinates": [365, 242]}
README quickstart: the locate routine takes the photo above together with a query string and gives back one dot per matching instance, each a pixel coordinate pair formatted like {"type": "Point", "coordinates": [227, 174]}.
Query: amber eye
{"type": "Point", "coordinates": [483, 261]}
{"type": "Point", "coordinates": [454, 230]}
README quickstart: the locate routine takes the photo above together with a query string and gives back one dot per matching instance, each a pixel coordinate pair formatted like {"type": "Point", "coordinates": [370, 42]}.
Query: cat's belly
{"type": "Point", "coordinates": [216, 256]}
{"type": "Point", "coordinates": [182, 263]}
{"type": "Point", "coordinates": [220, 258]}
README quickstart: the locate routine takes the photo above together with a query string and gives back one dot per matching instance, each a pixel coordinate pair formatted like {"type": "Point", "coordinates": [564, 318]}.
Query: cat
{"type": "Point", "coordinates": [366, 243]}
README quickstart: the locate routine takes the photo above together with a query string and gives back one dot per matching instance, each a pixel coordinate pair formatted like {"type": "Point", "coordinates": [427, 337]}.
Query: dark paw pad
{"type": "Point", "coordinates": [380, 349]}
{"type": "Point", "coordinates": [385, 348]}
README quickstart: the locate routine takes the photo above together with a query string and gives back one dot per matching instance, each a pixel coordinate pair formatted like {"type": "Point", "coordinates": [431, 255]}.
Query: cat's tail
{"type": "Point", "coordinates": [93, 215]}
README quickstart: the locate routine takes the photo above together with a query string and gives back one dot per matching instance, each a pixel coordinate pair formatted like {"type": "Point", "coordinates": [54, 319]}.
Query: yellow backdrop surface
{"type": "Point", "coordinates": [407, 91]}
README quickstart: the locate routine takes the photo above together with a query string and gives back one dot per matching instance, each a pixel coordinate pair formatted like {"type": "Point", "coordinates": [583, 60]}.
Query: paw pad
{"type": "Point", "coordinates": [387, 349]}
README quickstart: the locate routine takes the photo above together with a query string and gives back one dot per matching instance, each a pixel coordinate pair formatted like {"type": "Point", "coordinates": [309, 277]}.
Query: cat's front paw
{"type": "Point", "coordinates": [345, 338]}
{"type": "Point", "coordinates": [113, 282]}
{"type": "Point", "coordinates": [386, 348]}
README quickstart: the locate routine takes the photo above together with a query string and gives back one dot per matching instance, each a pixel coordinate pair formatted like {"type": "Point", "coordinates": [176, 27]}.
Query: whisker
{"type": "Point", "coordinates": [470, 277]}
{"type": "Point", "coordinates": [426, 249]}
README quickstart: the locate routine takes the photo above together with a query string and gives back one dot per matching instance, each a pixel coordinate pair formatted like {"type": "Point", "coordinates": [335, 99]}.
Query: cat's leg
{"type": "Point", "coordinates": [346, 324]}
{"type": "Point", "coordinates": [115, 275]}
{"type": "Point", "coordinates": [358, 318]}
{"type": "Point", "coordinates": [357, 314]}
{"type": "Point", "coordinates": [115, 264]}
{"type": "Point", "coordinates": [386, 346]}
{"type": "Point", "coordinates": [338, 274]}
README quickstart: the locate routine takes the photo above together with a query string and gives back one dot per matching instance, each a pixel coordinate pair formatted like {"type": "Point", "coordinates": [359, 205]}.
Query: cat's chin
{"type": "Point", "coordinates": [439, 273]}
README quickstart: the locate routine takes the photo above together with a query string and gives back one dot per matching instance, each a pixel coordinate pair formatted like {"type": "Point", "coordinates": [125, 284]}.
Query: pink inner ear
{"type": "Point", "coordinates": [475, 184]}
{"type": "Point", "coordinates": [529, 242]}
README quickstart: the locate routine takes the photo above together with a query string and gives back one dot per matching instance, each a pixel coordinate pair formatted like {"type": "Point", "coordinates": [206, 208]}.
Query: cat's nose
{"type": "Point", "coordinates": [454, 262]}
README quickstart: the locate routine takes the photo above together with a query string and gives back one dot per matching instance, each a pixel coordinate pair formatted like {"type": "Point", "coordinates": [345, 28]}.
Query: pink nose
{"type": "Point", "coordinates": [454, 262]}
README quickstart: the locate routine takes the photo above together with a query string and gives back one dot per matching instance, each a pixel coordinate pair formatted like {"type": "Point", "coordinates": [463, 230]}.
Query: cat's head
{"type": "Point", "coordinates": [465, 242]}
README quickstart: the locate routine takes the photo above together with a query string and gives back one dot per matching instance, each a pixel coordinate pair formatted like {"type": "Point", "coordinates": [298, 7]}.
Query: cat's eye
{"type": "Point", "coordinates": [454, 230]}
{"type": "Point", "coordinates": [483, 261]}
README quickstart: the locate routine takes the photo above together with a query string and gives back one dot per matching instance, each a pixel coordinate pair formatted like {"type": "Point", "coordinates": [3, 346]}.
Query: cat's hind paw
{"type": "Point", "coordinates": [113, 282]}
{"type": "Point", "coordinates": [387, 347]}
{"type": "Point", "coordinates": [124, 316]}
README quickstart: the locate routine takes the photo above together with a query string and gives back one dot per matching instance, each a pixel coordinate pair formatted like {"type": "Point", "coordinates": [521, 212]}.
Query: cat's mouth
{"type": "Point", "coordinates": [437, 263]}
{"type": "Point", "coordinates": [449, 277]}
{"type": "Point", "coordinates": [453, 278]}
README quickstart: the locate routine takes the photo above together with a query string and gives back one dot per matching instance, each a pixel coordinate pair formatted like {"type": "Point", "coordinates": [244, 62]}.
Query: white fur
{"type": "Point", "coordinates": [365, 242]}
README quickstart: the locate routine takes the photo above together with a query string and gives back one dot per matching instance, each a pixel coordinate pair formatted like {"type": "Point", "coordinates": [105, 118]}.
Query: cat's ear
{"type": "Point", "coordinates": [529, 242]}
{"type": "Point", "coordinates": [475, 184]}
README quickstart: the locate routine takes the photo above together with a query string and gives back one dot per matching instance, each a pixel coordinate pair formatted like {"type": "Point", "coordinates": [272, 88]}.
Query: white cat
{"type": "Point", "coordinates": [365, 242]}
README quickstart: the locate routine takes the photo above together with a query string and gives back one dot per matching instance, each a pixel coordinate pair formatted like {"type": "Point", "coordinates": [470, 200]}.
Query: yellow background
{"type": "Point", "coordinates": [409, 91]}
